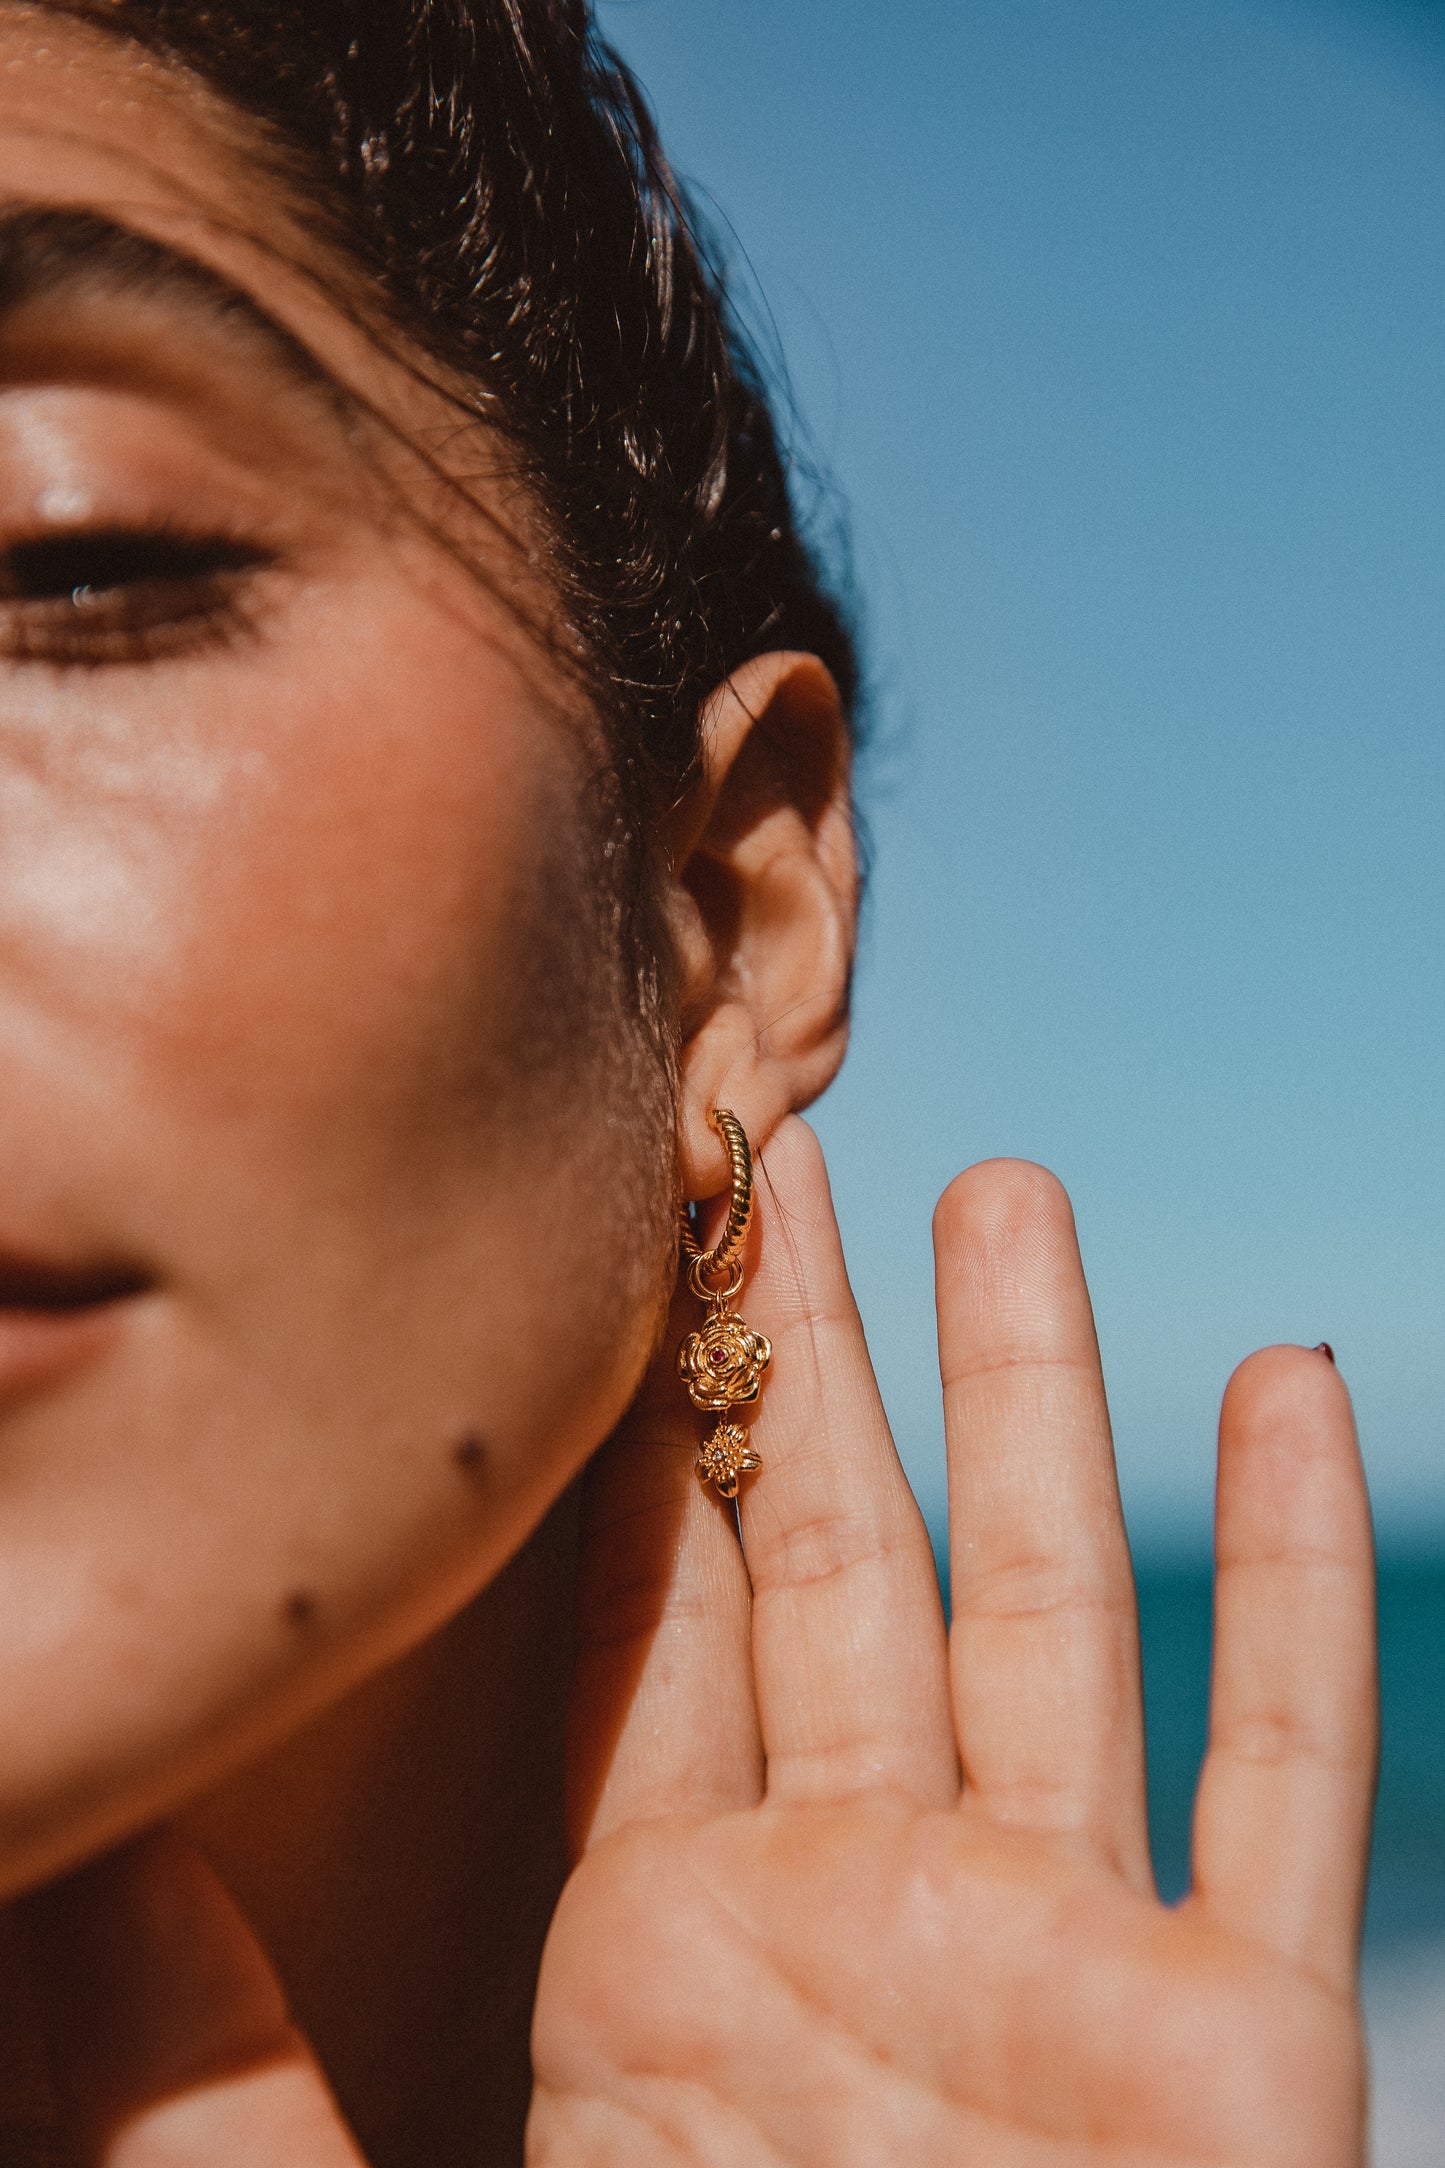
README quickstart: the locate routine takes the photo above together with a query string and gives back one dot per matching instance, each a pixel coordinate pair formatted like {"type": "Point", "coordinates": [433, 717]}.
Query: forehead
{"type": "Point", "coordinates": [83, 114]}
{"type": "Point", "coordinates": [95, 129]}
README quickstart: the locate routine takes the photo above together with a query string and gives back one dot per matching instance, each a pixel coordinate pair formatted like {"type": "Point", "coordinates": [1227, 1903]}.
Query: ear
{"type": "Point", "coordinates": [763, 903]}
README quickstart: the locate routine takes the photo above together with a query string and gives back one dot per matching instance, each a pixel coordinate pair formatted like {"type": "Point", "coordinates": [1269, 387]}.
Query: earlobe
{"type": "Point", "coordinates": [764, 906]}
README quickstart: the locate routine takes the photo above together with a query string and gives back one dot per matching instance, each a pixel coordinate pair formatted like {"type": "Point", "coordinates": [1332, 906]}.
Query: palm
{"type": "Point", "coordinates": [969, 1998]}
{"type": "Point", "coordinates": [793, 1935]}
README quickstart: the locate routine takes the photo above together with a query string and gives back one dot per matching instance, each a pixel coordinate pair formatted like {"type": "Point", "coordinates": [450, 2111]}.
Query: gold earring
{"type": "Point", "coordinates": [722, 1365]}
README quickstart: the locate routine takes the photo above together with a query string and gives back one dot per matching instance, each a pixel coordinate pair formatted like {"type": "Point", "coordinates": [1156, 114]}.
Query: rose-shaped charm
{"type": "Point", "coordinates": [722, 1366]}
{"type": "Point", "coordinates": [726, 1458]}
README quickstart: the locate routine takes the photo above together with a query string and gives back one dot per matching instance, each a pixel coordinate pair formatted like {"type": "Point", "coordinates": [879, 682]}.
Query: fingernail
{"type": "Point", "coordinates": [1326, 1350]}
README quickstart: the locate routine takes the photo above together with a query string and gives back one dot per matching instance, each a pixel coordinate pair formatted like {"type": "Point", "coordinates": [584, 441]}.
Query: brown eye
{"type": "Point", "coordinates": [78, 567]}
{"type": "Point", "coordinates": [118, 595]}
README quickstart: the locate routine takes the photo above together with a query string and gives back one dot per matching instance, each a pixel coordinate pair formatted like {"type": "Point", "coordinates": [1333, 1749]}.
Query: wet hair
{"type": "Point", "coordinates": [494, 166]}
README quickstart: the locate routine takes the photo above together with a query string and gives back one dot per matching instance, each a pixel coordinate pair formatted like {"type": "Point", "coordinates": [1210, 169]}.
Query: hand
{"type": "Point", "coordinates": [851, 1894]}
{"type": "Point", "coordinates": [793, 1935]}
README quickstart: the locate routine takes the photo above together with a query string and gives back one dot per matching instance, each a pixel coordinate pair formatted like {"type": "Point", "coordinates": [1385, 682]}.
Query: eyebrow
{"type": "Point", "coordinates": [48, 250]}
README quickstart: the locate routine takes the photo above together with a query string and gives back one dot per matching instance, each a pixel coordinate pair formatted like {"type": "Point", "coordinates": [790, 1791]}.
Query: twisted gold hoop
{"type": "Point", "coordinates": [723, 1258]}
{"type": "Point", "coordinates": [722, 1364]}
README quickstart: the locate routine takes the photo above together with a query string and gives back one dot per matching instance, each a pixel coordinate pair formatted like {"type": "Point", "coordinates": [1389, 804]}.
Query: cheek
{"type": "Point", "coordinates": [342, 924]}
{"type": "Point", "coordinates": [299, 1007]}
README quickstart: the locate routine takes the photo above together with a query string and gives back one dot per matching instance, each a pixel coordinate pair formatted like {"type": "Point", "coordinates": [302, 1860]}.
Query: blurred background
{"type": "Point", "coordinates": [1117, 328]}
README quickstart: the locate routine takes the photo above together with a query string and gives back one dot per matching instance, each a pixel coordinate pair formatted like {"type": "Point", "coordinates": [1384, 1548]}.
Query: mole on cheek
{"type": "Point", "coordinates": [300, 1610]}
{"type": "Point", "coordinates": [470, 1454]}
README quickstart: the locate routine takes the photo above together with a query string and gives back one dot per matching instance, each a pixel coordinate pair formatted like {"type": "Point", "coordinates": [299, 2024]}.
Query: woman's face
{"type": "Point", "coordinates": [311, 1054]}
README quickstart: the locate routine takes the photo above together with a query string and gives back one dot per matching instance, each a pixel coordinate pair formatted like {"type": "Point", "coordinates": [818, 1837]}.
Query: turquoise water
{"type": "Point", "coordinates": [1407, 1878]}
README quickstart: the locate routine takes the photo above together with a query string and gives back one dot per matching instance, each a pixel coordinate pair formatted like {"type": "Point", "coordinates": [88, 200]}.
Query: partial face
{"type": "Point", "coordinates": [316, 1091]}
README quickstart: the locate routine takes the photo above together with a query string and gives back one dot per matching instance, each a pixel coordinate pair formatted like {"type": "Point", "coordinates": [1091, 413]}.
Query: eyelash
{"type": "Point", "coordinates": [122, 595]}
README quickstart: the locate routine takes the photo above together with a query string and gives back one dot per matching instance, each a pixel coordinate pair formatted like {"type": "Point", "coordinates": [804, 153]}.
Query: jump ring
{"type": "Point", "coordinates": [697, 1278]}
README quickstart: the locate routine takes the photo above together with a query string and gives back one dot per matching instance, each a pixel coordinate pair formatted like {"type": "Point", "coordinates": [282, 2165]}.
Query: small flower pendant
{"type": "Point", "coordinates": [726, 1458]}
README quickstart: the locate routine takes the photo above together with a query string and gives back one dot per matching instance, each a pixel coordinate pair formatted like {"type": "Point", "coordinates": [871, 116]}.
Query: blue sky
{"type": "Point", "coordinates": [1120, 325]}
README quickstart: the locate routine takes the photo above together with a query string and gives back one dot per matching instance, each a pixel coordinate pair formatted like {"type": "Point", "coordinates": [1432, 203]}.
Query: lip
{"type": "Point", "coordinates": [55, 1316]}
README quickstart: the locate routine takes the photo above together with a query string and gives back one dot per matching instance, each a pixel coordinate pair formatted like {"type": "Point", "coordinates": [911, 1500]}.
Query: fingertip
{"type": "Point", "coordinates": [1289, 1464]}
{"type": "Point", "coordinates": [793, 1152]}
{"type": "Point", "coordinates": [1285, 1375]}
{"type": "Point", "coordinates": [998, 1203]}
{"type": "Point", "coordinates": [795, 1201]}
{"type": "Point", "coordinates": [1009, 1278]}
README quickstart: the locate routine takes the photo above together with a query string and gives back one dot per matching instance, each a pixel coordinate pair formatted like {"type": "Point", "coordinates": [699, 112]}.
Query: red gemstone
{"type": "Point", "coordinates": [717, 1356]}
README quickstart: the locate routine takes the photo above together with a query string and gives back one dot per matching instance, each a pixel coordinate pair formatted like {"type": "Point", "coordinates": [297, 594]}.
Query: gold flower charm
{"type": "Point", "coordinates": [726, 1457]}
{"type": "Point", "coordinates": [722, 1366]}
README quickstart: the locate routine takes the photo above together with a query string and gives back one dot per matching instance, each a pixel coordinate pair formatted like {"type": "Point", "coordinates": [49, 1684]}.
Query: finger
{"type": "Point", "coordinates": [848, 1643]}
{"type": "Point", "coordinates": [167, 2032]}
{"type": "Point", "coordinates": [1045, 1643]}
{"type": "Point", "coordinates": [662, 1717]}
{"type": "Point", "coordinates": [1282, 1820]}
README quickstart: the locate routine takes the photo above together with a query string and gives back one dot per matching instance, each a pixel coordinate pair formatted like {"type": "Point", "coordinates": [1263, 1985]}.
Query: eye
{"type": "Point", "coordinates": [112, 594]}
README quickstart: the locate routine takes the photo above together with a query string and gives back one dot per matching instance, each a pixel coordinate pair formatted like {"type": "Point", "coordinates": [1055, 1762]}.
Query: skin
{"type": "Point", "coordinates": [287, 925]}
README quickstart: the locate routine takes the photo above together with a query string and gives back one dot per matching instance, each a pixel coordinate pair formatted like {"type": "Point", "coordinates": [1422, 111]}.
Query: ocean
{"type": "Point", "coordinates": [1405, 1919]}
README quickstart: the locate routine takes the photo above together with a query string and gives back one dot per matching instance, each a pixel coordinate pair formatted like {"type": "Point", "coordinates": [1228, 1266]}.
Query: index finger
{"type": "Point", "coordinates": [662, 1717]}
{"type": "Point", "coordinates": [848, 1638]}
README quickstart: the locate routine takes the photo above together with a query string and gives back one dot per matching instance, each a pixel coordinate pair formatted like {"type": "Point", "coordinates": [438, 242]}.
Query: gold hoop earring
{"type": "Point", "coordinates": [722, 1364]}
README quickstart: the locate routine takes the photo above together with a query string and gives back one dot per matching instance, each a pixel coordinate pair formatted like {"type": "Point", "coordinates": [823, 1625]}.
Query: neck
{"type": "Point", "coordinates": [401, 1859]}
